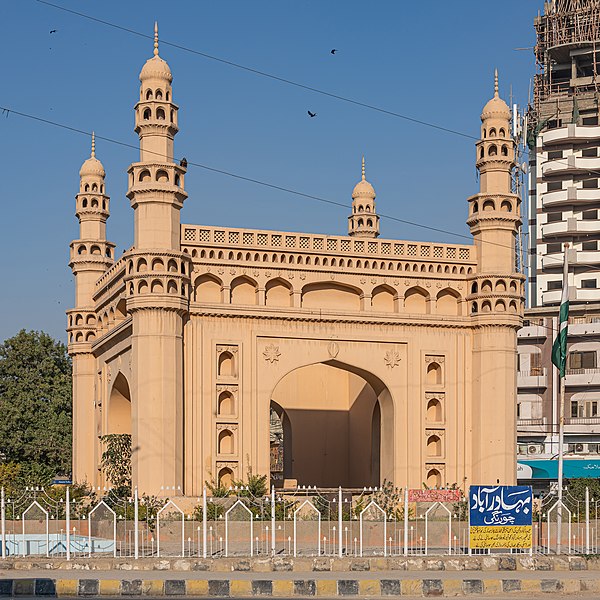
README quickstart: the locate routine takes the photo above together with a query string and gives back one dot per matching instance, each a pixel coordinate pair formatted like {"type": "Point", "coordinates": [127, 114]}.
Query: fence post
{"type": "Point", "coordinates": [68, 521]}
{"type": "Point", "coordinates": [204, 522]}
{"type": "Point", "coordinates": [3, 519]}
{"type": "Point", "coordinates": [272, 520]}
{"type": "Point", "coordinates": [406, 521]}
{"type": "Point", "coordinates": [136, 524]}
{"type": "Point", "coordinates": [340, 522]}
{"type": "Point", "coordinates": [587, 520]}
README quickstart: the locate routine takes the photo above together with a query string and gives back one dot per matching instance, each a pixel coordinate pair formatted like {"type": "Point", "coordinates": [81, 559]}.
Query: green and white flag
{"type": "Point", "coordinates": [559, 348]}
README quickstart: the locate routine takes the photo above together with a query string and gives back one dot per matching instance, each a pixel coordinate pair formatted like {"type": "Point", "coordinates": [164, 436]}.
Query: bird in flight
{"type": "Point", "coordinates": [53, 31]}
{"type": "Point", "coordinates": [311, 114]}
{"type": "Point", "coordinates": [334, 50]}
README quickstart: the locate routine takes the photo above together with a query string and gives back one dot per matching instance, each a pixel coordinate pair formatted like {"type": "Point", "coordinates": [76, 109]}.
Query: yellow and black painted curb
{"type": "Point", "coordinates": [301, 588]}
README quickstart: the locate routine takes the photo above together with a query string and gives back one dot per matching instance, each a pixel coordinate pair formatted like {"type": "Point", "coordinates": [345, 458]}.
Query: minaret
{"type": "Point", "coordinates": [364, 221]}
{"type": "Point", "coordinates": [495, 300]}
{"type": "Point", "coordinates": [91, 255]}
{"type": "Point", "coordinates": [157, 285]}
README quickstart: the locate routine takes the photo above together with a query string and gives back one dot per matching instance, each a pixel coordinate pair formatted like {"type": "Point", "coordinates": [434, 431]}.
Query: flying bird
{"type": "Point", "coordinates": [311, 114]}
{"type": "Point", "coordinates": [183, 162]}
{"type": "Point", "coordinates": [334, 50]}
{"type": "Point", "coordinates": [53, 31]}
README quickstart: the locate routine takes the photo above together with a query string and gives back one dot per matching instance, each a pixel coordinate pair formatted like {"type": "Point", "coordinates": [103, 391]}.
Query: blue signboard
{"type": "Point", "coordinates": [500, 516]}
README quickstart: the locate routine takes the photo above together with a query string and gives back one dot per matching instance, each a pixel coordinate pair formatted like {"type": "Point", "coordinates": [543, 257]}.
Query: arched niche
{"type": "Point", "coordinates": [434, 411]}
{"type": "Point", "coordinates": [119, 407]}
{"type": "Point", "coordinates": [278, 293]}
{"type": "Point", "coordinates": [225, 442]}
{"type": "Point", "coordinates": [225, 478]}
{"type": "Point", "coordinates": [226, 365]}
{"type": "Point", "coordinates": [448, 302]}
{"type": "Point", "coordinates": [330, 295]}
{"type": "Point", "coordinates": [226, 404]}
{"type": "Point", "coordinates": [243, 291]}
{"type": "Point", "coordinates": [415, 301]}
{"type": "Point", "coordinates": [207, 288]}
{"type": "Point", "coordinates": [383, 299]}
{"type": "Point", "coordinates": [434, 446]}
{"type": "Point", "coordinates": [434, 479]}
{"type": "Point", "coordinates": [434, 373]}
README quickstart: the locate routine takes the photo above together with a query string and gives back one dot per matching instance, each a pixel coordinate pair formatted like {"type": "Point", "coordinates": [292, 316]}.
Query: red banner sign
{"type": "Point", "coordinates": [434, 495]}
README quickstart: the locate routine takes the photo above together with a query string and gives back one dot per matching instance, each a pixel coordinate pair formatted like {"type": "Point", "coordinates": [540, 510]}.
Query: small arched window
{"type": "Point", "coordinates": [159, 94]}
{"type": "Point", "coordinates": [502, 133]}
{"type": "Point", "coordinates": [84, 203]}
{"type": "Point", "coordinates": [493, 150]}
{"type": "Point", "coordinates": [369, 223]}
{"type": "Point", "coordinates": [149, 95]}
{"type": "Point", "coordinates": [147, 114]}
{"type": "Point", "coordinates": [144, 175]}
{"type": "Point", "coordinates": [168, 96]}
{"type": "Point", "coordinates": [162, 176]}
{"type": "Point", "coordinates": [492, 132]}
{"type": "Point", "coordinates": [505, 150]}
{"type": "Point", "coordinates": [160, 114]}
{"type": "Point", "coordinates": [86, 187]}
{"type": "Point", "coordinates": [94, 187]}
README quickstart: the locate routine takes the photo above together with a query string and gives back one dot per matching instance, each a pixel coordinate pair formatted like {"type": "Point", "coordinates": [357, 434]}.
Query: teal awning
{"type": "Point", "coordinates": [548, 469]}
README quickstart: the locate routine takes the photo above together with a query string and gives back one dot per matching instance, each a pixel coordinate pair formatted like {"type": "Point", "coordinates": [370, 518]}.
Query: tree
{"type": "Point", "coordinates": [116, 462]}
{"type": "Point", "coordinates": [35, 404]}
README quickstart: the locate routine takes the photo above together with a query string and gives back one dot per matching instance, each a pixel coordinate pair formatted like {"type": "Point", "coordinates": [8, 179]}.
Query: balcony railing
{"type": "Point", "coordinates": [531, 422]}
{"type": "Point", "coordinates": [582, 420]}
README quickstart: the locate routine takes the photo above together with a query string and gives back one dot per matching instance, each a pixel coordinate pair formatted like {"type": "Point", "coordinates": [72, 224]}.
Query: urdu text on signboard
{"type": "Point", "coordinates": [500, 516]}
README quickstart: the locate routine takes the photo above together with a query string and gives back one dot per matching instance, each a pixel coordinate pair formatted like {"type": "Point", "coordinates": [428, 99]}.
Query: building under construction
{"type": "Point", "coordinates": [564, 199]}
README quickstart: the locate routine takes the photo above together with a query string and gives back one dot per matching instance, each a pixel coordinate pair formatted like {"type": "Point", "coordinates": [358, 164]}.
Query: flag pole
{"type": "Point", "coordinates": [561, 436]}
{"type": "Point", "coordinates": [559, 358]}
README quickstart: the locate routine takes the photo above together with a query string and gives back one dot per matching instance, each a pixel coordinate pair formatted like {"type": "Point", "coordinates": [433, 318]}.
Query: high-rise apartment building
{"type": "Point", "coordinates": [564, 204]}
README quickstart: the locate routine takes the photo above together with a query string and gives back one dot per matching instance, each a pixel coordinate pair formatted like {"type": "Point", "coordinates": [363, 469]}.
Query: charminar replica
{"type": "Point", "coordinates": [315, 359]}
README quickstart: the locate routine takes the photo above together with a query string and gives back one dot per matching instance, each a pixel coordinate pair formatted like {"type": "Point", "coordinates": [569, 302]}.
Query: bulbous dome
{"type": "Point", "coordinates": [363, 189]}
{"type": "Point", "coordinates": [156, 68]}
{"type": "Point", "coordinates": [92, 166]}
{"type": "Point", "coordinates": [496, 107]}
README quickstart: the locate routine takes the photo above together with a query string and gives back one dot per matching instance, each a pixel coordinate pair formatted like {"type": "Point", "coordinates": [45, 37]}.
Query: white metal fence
{"type": "Point", "coordinates": [306, 522]}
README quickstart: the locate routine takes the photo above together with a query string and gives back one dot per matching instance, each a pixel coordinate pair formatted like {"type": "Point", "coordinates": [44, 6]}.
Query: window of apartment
{"type": "Point", "coordinates": [590, 184]}
{"type": "Point", "coordinates": [590, 246]}
{"type": "Point", "coordinates": [591, 152]}
{"type": "Point", "coordinates": [593, 448]}
{"type": "Point", "coordinates": [553, 217]}
{"type": "Point", "coordinates": [588, 284]}
{"type": "Point", "coordinates": [590, 215]}
{"type": "Point", "coordinates": [553, 248]}
{"type": "Point", "coordinates": [552, 186]}
{"type": "Point", "coordinates": [589, 121]}
{"type": "Point", "coordinates": [554, 154]}
{"type": "Point", "coordinates": [574, 409]}
{"type": "Point", "coordinates": [585, 359]}
{"type": "Point", "coordinates": [553, 124]}
{"type": "Point", "coordinates": [518, 410]}
{"type": "Point", "coordinates": [554, 285]}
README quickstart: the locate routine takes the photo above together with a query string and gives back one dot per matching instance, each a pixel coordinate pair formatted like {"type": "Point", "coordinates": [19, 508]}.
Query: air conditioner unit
{"type": "Point", "coordinates": [533, 449]}
{"type": "Point", "coordinates": [578, 447]}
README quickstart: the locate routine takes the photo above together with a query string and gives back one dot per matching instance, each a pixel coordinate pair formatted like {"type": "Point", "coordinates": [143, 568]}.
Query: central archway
{"type": "Point", "coordinates": [331, 425]}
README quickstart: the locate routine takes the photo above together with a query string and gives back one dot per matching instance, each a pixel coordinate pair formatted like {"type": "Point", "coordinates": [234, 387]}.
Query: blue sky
{"type": "Point", "coordinates": [433, 61]}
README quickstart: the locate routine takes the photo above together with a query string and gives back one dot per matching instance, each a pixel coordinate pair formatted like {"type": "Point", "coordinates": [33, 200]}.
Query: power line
{"type": "Point", "coordinates": [7, 111]}
{"type": "Point", "coordinates": [264, 73]}
{"type": "Point", "coordinates": [236, 175]}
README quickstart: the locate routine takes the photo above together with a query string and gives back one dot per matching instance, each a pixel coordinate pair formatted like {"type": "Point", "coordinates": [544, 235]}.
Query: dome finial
{"type": "Point", "coordinates": [155, 38]}
{"type": "Point", "coordinates": [495, 83]}
{"type": "Point", "coordinates": [93, 144]}
{"type": "Point", "coordinates": [363, 167]}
